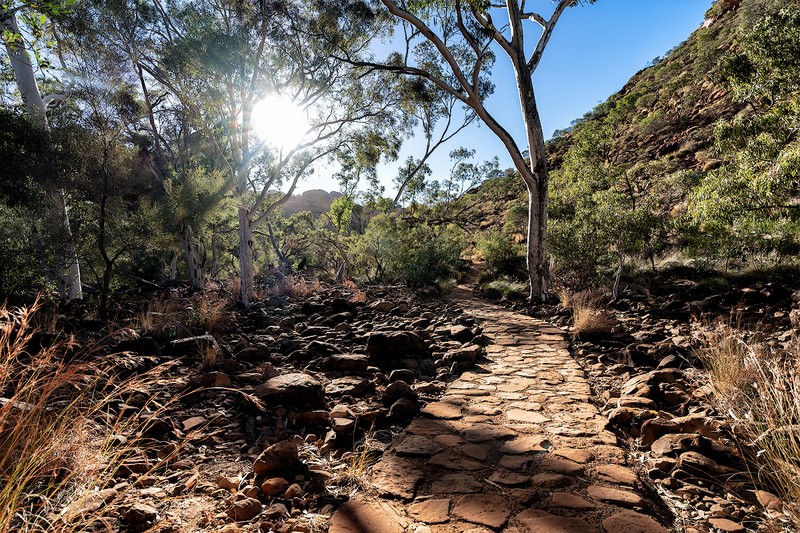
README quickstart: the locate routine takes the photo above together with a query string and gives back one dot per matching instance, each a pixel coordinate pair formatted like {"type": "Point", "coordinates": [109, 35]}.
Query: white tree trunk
{"type": "Point", "coordinates": [68, 268]}
{"type": "Point", "coordinates": [68, 272]}
{"type": "Point", "coordinates": [246, 270]}
{"type": "Point", "coordinates": [173, 267]}
{"type": "Point", "coordinates": [194, 258]}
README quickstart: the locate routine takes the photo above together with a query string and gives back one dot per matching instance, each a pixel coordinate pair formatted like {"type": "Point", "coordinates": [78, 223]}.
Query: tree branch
{"type": "Point", "coordinates": [547, 32]}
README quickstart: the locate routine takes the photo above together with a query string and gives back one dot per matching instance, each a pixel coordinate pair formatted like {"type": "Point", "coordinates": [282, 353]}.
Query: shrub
{"type": "Point", "coordinates": [417, 254]}
{"type": "Point", "coordinates": [505, 288]}
{"type": "Point", "coordinates": [502, 256]}
{"type": "Point", "coordinates": [589, 319]}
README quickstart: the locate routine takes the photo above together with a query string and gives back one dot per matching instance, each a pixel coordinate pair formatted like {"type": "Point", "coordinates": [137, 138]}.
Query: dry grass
{"type": "Point", "coordinates": [213, 313]}
{"type": "Point", "coordinates": [759, 389]}
{"type": "Point", "coordinates": [174, 318]}
{"type": "Point", "coordinates": [159, 318]}
{"type": "Point", "coordinates": [357, 295]}
{"type": "Point", "coordinates": [564, 298]}
{"type": "Point", "coordinates": [588, 317]}
{"type": "Point", "coordinates": [294, 287]}
{"type": "Point", "coordinates": [353, 471]}
{"type": "Point", "coordinates": [56, 428]}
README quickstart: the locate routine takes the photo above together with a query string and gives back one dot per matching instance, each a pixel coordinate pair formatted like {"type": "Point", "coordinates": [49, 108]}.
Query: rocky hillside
{"type": "Point", "coordinates": [668, 110]}
{"type": "Point", "coordinates": [664, 115]}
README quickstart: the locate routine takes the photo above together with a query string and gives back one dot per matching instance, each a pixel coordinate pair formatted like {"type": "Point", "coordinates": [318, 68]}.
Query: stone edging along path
{"type": "Point", "coordinates": [513, 445]}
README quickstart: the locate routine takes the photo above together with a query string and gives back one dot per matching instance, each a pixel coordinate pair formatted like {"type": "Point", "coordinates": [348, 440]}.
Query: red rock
{"type": "Point", "coordinates": [436, 511]}
{"type": "Point", "coordinates": [726, 525]}
{"type": "Point", "coordinates": [456, 484]}
{"type": "Point", "coordinates": [550, 480]}
{"type": "Point", "coordinates": [397, 477]}
{"type": "Point", "coordinates": [273, 486]}
{"type": "Point", "coordinates": [292, 389]}
{"type": "Point", "coordinates": [244, 509]}
{"type": "Point", "coordinates": [621, 497]}
{"type": "Point", "coordinates": [442, 410]}
{"type": "Point", "coordinates": [139, 513]}
{"type": "Point", "coordinates": [632, 522]}
{"type": "Point", "coordinates": [541, 522]}
{"type": "Point", "coordinates": [616, 474]}
{"type": "Point", "coordinates": [510, 479]}
{"type": "Point", "coordinates": [477, 451]}
{"type": "Point", "coordinates": [577, 455]}
{"type": "Point", "coordinates": [193, 422]}
{"type": "Point", "coordinates": [357, 516]}
{"type": "Point", "coordinates": [417, 446]}
{"type": "Point", "coordinates": [565, 499]}
{"type": "Point", "coordinates": [530, 417]}
{"type": "Point", "coordinates": [485, 509]}
{"type": "Point", "coordinates": [560, 466]}
{"type": "Point", "coordinates": [453, 461]}
{"type": "Point", "coordinates": [278, 457]}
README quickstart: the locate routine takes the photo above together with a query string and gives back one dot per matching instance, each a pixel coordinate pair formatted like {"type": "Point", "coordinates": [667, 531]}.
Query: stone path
{"type": "Point", "coordinates": [513, 445]}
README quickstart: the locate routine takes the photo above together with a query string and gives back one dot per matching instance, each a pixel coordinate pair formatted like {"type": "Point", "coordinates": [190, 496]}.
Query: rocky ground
{"type": "Point", "coordinates": [270, 424]}
{"type": "Point", "coordinates": [647, 381]}
{"type": "Point", "coordinates": [273, 421]}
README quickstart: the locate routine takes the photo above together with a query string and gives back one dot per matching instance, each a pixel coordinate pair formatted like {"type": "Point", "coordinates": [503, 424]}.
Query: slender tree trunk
{"type": "Point", "coordinates": [194, 258]}
{"type": "Point", "coordinates": [246, 270]}
{"type": "Point", "coordinates": [173, 266]}
{"type": "Point", "coordinates": [618, 277]}
{"type": "Point", "coordinates": [67, 268]}
{"type": "Point", "coordinates": [536, 182]}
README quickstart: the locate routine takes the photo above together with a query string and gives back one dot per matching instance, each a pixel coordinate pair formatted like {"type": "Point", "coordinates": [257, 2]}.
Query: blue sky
{"type": "Point", "coordinates": [593, 52]}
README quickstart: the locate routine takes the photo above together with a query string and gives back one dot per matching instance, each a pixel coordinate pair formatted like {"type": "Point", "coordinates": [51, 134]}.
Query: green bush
{"type": "Point", "coordinates": [393, 249]}
{"type": "Point", "coordinates": [502, 256]}
{"type": "Point", "coordinates": [505, 288]}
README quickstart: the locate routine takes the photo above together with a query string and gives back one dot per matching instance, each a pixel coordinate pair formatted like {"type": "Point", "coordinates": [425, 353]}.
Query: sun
{"type": "Point", "coordinates": [279, 122]}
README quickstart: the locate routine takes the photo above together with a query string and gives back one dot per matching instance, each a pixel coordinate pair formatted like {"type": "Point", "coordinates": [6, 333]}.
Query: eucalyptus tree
{"type": "Point", "coordinates": [34, 17]}
{"type": "Point", "coordinates": [227, 56]}
{"type": "Point", "coordinates": [749, 205]}
{"type": "Point", "coordinates": [454, 45]}
{"type": "Point", "coordinates": [130, 39]}
{"type": "Point", "coordinates": [439, 116]}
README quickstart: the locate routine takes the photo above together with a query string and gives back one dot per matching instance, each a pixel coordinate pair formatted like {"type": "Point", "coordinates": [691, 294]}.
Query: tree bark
{"type": "Point", "coordinates": [68, 272]}
{"type": "Point", "coordinates": [194, 258]}
{"type": "Point", "coordinates": [246, 270]}
{"type": "Point", "coordinates": [173, 266]}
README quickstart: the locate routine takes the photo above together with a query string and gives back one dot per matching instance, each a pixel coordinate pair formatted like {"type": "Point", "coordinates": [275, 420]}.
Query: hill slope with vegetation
{"type": "Point", "coordinates": [695, 156]}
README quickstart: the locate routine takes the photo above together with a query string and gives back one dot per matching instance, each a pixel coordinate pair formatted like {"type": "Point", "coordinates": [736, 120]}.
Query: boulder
{"type": "Point", "coordinates": [351, 385]}
{"type": "Point", "coordinates": [244, 509]}
{"type": "Point", "coordinates": [346, 362]}
{"type": "Point", "coordinates": [295, 389]}
{"type": "Point", "coordinates": [279, 457]}
{"type": "Point", "coordinates": [382, 306]}
{"type": "Point", "coordinates": [388, 346]}
{"type": "Point", "coordinates": [397, 390]}
{"type": "Point", "coordinates": [465, 354]}
{"type": "Point", "coordinates": [194, 346]}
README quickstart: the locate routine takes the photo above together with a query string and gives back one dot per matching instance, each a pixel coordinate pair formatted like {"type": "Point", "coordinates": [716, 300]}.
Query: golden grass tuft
{"type": "Point", "coordinates": [588, 317]}
{"type": "Point", "coordinates": [56, 427]}
{"type": "Point", "coordinates": [759, 389]}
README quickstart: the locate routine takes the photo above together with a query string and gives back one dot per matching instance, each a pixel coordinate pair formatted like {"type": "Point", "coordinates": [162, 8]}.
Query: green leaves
{"type": "Point", "coordinates": [751, 200]}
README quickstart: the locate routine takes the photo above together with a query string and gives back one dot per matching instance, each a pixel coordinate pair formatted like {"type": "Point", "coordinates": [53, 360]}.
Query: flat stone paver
{"type": "Point", "coordinates": [514, 445]}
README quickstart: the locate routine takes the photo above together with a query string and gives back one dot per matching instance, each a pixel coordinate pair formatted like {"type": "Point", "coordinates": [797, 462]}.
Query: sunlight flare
{"type": "Point", "coordinates": [279, 122]}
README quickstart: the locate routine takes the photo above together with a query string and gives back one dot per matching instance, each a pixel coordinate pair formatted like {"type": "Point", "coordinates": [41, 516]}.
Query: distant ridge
{"type": "Point", "coordinates": [315, 200]}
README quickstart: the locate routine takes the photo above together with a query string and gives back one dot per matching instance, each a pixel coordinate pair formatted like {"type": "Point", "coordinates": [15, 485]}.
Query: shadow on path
{"type": "Point", "coordinates": [514, 445]}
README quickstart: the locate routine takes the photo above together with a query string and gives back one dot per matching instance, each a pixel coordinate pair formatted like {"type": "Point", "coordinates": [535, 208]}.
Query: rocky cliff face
{"type": "Point", "coordinates": [316, 200]}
